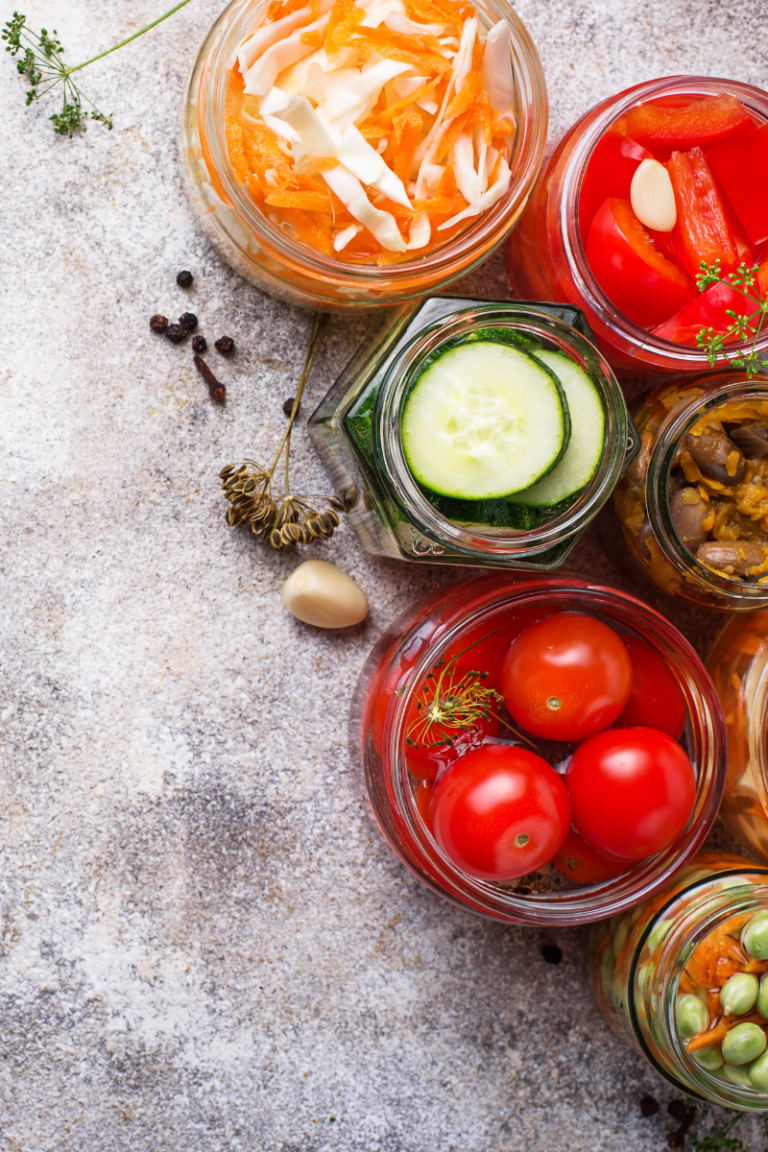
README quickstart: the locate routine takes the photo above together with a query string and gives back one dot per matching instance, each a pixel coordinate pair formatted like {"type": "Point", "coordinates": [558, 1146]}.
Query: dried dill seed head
{"type": "Point", "coordinates": [291, 520]}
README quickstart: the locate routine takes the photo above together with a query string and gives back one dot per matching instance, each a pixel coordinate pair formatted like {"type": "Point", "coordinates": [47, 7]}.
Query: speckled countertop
{"type": "Point", "coordinates": [204, 945]}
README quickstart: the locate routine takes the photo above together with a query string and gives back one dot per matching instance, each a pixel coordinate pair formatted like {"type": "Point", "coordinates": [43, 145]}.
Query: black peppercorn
{"type": "Point", "coordinates": [176, 333]}
{"type": "Point", "coordinates": [552, 954]}
{"type": "Point", "coordinates": [225, 345]}
{"type": "Point", "coordinates": [158, 323]}
{"type": "Point", "coordinates": [200, 344]}
{"type": "Point", "coordinates": [649, 1106]}
{"type": "Point", "coordinates": [184, 279]}
{"type": "Point", "coordinates": [677, 1110]}
{"type": "Point", "coordinates": [288, 406]}
{"type": "Point", "coordinates": [188, 321]}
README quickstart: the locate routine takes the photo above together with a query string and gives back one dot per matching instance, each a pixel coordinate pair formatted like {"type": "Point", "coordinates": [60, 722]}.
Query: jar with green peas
{"type": "Point", "coordinates": [684, 978]}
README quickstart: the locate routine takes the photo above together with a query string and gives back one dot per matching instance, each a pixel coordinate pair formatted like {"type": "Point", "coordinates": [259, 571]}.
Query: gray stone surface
{"type": "Point", "coordinates": [204, 944]}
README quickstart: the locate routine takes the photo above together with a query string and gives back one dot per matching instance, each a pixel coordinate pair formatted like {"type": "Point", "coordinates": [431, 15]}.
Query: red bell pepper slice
{"type": "Point", "coordinates": [611, 166]}
{"type": "Point", "coordinates": [705, 122]}
{"type": "Point", "coordinates": [707, 311]}
{"type": "Point", "coordinates": [741, 166]}
{"type": "Point", "coordinates": [762, 280]}
{"type": "Point", "coordinates": [630, 269]}
{"type": "Point", "coordinates": [701, 232]}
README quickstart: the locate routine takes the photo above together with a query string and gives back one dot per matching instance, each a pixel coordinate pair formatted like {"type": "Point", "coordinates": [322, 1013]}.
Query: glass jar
{"type": "Point", "coordinates": [280, 265]}
{"type": "Point", "coordinates": [356, 431]}
{"type": "Point", "coordinates": [396, 672]}
{"type": "Point", "coordinates": [643, 495]}
{"type": "Point", "coordinates": [641, 961]}
{"type": "Point", "coordinates": [547, 254]}
{"type": "Point", "coordinates": [739, 667]}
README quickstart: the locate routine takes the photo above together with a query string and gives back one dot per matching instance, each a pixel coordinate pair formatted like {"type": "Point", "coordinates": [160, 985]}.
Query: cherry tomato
{"type": "Point", "coordinates": [583, 864]}
{"type": "Point", "coordinates": [705, 122]}
{"type": "Point", "coordinates": [702, 231]}
{"type": "Point", "coordinates": [710, 310]}
{"type": "Point", "coordinates": [741, 167]}
{"type": "Point", "coordinates": [611, 166]}
{"type": "Point", "coordinates": [656, 700]}
{"type": "Point", "coordinates": [634, 274]}
{"type": "Point", "coordinates": [500, 812]}
{"type": "Point", "coordinates": [632, 792]}
{"type": "Point", "coordinates": [566, 677]}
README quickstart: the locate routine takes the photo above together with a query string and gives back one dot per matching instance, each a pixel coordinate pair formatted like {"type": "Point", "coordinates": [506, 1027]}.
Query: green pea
{"type": "Point", "coordinates": [710, 1058]}
{"type": "Point", "coordinates": [739, 994]}
{"type": "Point", "coordinates": [762, 998]}
{"type": "Point", "coordinates": [758, 1073]}
{"type": "Point", "coordinates": [743, 1044]}
{"type": "Point", "coordinates": [754, 936]}
{"type": "Point", "coordinates": [736, 1075]}
{"type": "Point", "coordinates": [658, 933]}
{"type": "Point", "coordinates": [691, 1015]}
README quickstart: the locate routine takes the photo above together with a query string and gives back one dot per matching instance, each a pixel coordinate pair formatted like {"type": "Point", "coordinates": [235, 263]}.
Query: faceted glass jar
{"type": "Point", "coordinates": [637, 961]}
{"type": "Point", "coordinates": [283, 267]}
{"type": "Point", "coordinates": [395, 673]}
{"type": "Point", "coordinates": [356, 431]}
{"type": "Point", "coordinates": [739, 667]}
{"type": "Point", "coordinates": [547, 254]}
{"type": "Point", "coordinates": [641, 498]}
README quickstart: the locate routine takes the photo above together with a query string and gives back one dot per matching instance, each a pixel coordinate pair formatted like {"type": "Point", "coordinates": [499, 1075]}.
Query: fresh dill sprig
{"type": "Point", "coordinates": [719, 1139]}
{"type": "Point", "coordinates": [40, 57]}
{"type": "Point", "coordinates": [744, 325]}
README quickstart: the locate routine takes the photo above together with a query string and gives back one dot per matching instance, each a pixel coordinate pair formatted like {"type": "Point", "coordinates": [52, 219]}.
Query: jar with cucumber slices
{"type": "Point", "coordinates": [474, 432]}
{"type": "Point", "coordinates": [684, 978]}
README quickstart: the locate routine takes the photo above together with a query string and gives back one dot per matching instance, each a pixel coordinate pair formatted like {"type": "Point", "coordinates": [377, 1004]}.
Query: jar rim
{"type": "Point", "coordinates": [410, 838]}
{"type": "Point", "coordinates": [453, 259]}
{"type": "Point", "coordinates": [738, 595]}
{"type": "Point", "coordinates": [641, 342]}
{"type": "Point", "coordinates": [621, 440]}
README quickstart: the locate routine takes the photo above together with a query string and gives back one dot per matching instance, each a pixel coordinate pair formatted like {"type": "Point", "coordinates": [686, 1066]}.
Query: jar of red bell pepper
{"type": "Point", "coordinates": [703, 146]}
{"type": "Point", "coordinates": [459, 639]}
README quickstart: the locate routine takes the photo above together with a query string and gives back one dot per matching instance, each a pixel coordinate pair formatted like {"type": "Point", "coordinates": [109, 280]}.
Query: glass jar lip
{"type": "Point", "coordinates": [621, 440]}
{"type": "Point", "coordinates": [481, 235]}
{"type": "Point", "coordinates": [591, 902]}
{"type": "Point", "coordinates": [741, 595]}
{"type": "Point", "coordinates": [676, 356]}
{"type": "Point", "coordinates": [676, 950]}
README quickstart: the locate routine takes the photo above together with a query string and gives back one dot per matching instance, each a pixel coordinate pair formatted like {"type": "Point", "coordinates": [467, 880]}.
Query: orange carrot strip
{"type": "Point", "coordinates": [309, 201]}
{"type": "Point", "coordinates": [440, 205]}
{"type": "Point", "coordinates": [314, 39]}
{"type": "Point", "coordinates": [463, 100]}
{"type": "Point", "coordinates": [386, 46]}
{"type": "Point", "coordinates": [279, 8]}
{"type": "Point", "coordinates": [384, 118]}
{"type": "Point", "coordinates": [704, 1039]}
{"type": "Point", "coordinates": [262, 150]}
{"type": "Point", "coordinates": [233, 131]}
{"type": "Point", "coordinates": [407, 128]}
{"type": "Point", "coordinates": [502, 127]}
{"type": "Point", "coordinates": [447, 186]}
{"type": "Point", "coordinates": [307, 231]}
{"type": "Point", "coordinates": [343, 16]}
{"type": "Point", "coordinates": [452, 133]}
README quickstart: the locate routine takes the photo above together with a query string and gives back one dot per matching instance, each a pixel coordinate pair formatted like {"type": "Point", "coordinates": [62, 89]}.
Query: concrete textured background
{"type": "Point", "coordinates": [203, 943]}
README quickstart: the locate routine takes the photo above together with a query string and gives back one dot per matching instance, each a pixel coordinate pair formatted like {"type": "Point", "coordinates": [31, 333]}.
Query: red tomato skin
{"type": "Point", "coordinates": [632, 792]}
{"type": "Point", "coordinates": [634, 274]}
{"type": "Point", "coordinates": [741, 167]}
{"type": "Point", "coordinates": [656, 699]}
{"type": "Point", "coordinates": [576, 659]}
{"type": "Point", "coordinates": [702, 231]}
{"type": "Point", "coordinates": [705, 122]}
{"type": "Point", "coordinates": [424, 795]}
{"type": "Point", "coordinates": [709, 310]}
{"type": "Point", "coordinates": [428, 763]}
{"type": "Point", "coordinates": [491, 796]}
{"type": "Point", "coordinates": [583, 864]}
{"type": "Point", "coordinates": [613, 163]}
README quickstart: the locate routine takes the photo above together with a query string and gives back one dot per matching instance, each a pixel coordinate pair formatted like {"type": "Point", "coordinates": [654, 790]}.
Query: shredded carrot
{"type": "Point", "coordinates": [395, 47]}
{"type": "Point", "coordinates": [463, 100]}
{"type": "Point", "coordinates": [314, 10]}
{"type": "Point", "coordinates": [262, 150]}
{"type": "Point", "coordinates": [715, 1034]}
{"type": "Point", "coordinates": [440, 205]}
{"type": "Point", "coordinates": [452, 133]}
{"type": "Point", "coordinates": [314, 39]}
{"type": "Point", "coordinates": [232, 128]}
{"type": "Point", "coordinates": [384, 118]}
{"type": "Point", "coordinates": [447, 186]}
{"type": "Point", "coordinates": [407, 128]}
{"type": "Point", "coordinates": [280, 8]}
{"type": "Point", "coordinates": [307, 231]}
{"type": "Point", "coordinates": [309, 201]}
{"type": "Point", "coordinates": [343, 17]}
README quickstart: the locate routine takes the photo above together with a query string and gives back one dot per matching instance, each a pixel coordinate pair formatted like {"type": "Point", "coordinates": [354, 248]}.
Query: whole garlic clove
{"type": "Point", "coordinates": [653, 197]}
{"type": "Point", "coordinates": [319, 593]}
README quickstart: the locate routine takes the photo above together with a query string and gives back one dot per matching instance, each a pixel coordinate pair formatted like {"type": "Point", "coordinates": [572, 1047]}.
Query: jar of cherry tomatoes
{"type": "Point", "coordinates": [357, 430]}
{"type": "Point", "coordinates": [739, 667]}
{"type": "Point", "coordinates": [683, 978]}
{"type": "Point", "coordinates": [467, 631]}
{"type": "Point", "coordinates": [283, 250]}
{"type": "Point", "coordinates": [566, 221]}
{"type": "Point", "coordinates": [693, 506]}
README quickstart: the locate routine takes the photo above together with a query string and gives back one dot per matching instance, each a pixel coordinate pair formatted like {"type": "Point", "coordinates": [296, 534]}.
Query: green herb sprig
{"type": "Point", "coordinates": [744, 325]}
{"type": "Point", "coordinates": [40, 57]}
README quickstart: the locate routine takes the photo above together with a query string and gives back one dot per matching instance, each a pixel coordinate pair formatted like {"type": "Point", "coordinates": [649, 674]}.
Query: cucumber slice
{"type": "Point", "coordinates": [585, 447]}
{"type": "Point", "coordinates": [484, 420]}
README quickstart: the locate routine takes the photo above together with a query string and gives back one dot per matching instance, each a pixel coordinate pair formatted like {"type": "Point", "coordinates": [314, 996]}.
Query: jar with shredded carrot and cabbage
{"type": "Point", "coordinates": [684, 978]}
{"type": "Point", "coordinates": [694, 504]}
{"type": "Point", "coordinates": [346, 153]}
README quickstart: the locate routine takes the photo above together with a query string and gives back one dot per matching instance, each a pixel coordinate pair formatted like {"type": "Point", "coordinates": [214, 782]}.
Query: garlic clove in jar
{"type": "Point", "coordinates": [653, 197]}
{"type": "Point", "coordinates": [319, 593]}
